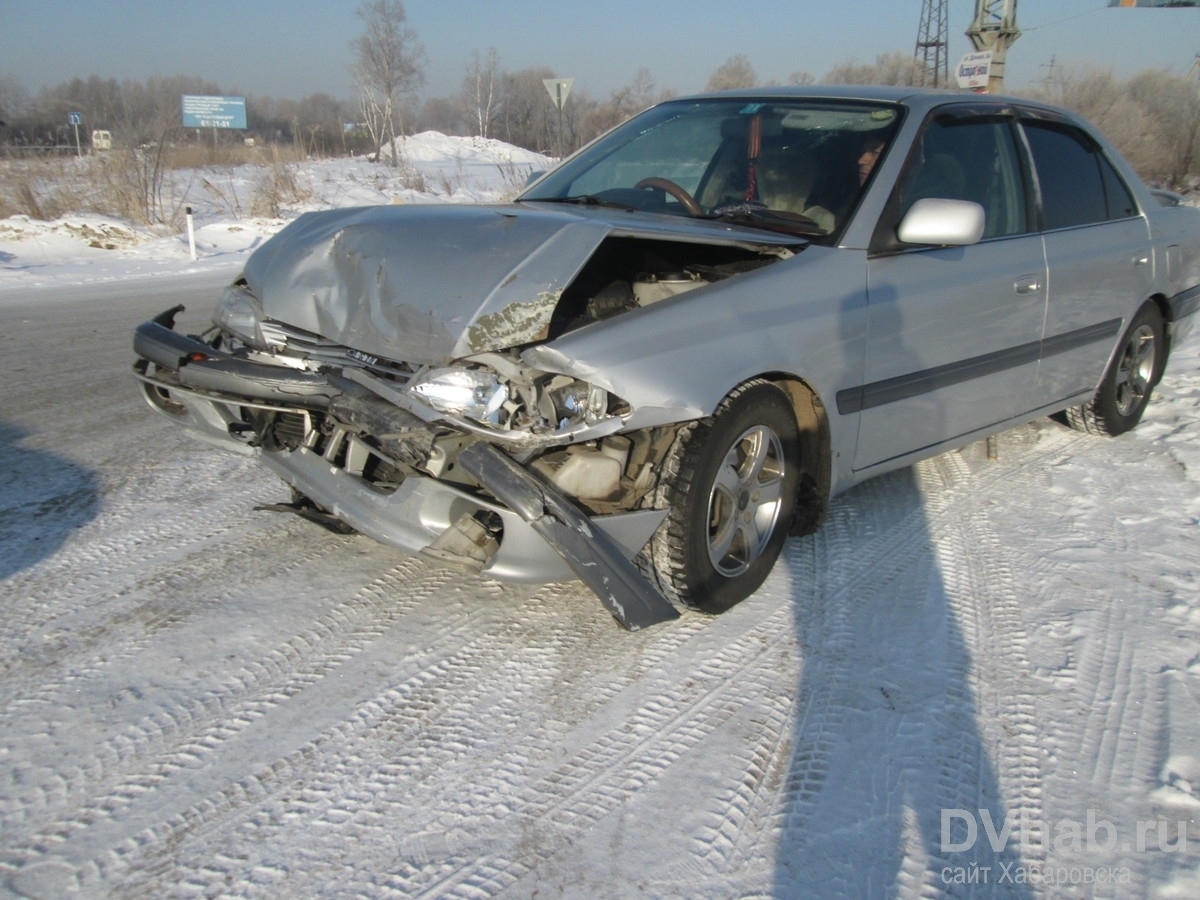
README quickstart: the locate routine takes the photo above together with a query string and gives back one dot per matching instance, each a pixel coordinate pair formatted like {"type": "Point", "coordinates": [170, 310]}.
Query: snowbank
{"type": "Point", "coordinates": [433, 168]}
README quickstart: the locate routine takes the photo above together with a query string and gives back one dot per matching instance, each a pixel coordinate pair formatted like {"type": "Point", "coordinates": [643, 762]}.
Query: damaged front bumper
{"type": "Point", "coordinates": [532, 533]}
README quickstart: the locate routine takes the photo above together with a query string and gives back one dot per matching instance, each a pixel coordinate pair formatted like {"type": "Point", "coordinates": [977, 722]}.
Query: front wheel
{"type": "Point", "coordinates": [730, 484]}
{"type": "Point", "coordinates": [1124, 392]}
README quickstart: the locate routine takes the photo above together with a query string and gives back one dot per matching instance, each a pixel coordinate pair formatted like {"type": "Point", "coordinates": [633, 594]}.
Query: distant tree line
{"type": "Point", "coordinates": [139, 113]}
{"type": "Point", "coordinates": [1154, 117]}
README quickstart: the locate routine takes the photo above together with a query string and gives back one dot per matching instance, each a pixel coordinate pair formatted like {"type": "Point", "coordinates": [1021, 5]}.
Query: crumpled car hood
{"type": "Point", "coordinates": [429, 284]}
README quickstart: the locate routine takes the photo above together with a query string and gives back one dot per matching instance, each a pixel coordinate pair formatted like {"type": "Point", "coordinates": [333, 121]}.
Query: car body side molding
{"type": "Point", "coordinates": [902, 387]}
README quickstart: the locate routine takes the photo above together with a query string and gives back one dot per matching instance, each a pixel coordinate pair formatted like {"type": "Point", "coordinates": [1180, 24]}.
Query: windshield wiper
{"type": "Point", "coordinates": [761, 217]}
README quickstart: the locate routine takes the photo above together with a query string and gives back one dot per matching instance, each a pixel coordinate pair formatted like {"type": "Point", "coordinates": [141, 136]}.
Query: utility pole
{"type": "Point", "coordinates": [931, 46]}
{"type": "Point", "coordinates": [994, 29]}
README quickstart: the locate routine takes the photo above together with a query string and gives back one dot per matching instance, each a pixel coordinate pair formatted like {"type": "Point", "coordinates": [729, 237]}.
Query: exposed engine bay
{"type": "Point", "coordinates": [627, 273]}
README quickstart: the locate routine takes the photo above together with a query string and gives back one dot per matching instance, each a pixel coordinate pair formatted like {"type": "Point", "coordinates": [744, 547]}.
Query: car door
{"type": "Point", "coordinates": [1098, 253]}
{"type": "Point", "coordinates": [953, 332]}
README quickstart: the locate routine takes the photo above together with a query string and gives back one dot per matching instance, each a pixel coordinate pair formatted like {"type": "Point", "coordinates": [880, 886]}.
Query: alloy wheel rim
{"type": "Point", "coordinates": [1135, 370]}
{"type": "Point", "coordinates": [744, 503]}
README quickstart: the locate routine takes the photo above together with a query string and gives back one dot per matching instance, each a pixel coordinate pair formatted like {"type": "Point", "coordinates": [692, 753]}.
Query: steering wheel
{"type": "Point", "coordinates": [663, 184]}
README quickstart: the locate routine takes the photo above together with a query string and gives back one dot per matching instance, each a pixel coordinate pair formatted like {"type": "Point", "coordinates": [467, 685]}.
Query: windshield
{"type": "Point", "coordinates": [791, 165]}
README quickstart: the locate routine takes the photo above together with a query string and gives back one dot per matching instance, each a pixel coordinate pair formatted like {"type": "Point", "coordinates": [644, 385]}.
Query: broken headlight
{"type": "Point", "coordinates": [474, 393]}
{"type": "Point", "coordinates": [566, 401]}
{"type": "Point", "coordinates": [240, 314]}
{"type": "Point", "coordinates": [514, 400]}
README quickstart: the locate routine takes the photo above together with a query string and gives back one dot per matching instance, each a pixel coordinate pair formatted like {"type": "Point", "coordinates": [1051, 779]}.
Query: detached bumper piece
{"type": "Point", "coordinates": [592, 555]}
{"type": "Point", "coordinates": [202, 367]}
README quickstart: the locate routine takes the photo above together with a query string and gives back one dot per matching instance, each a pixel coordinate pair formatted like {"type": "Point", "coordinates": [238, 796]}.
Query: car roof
{"type": "Point", "coordinates": [916, 98]}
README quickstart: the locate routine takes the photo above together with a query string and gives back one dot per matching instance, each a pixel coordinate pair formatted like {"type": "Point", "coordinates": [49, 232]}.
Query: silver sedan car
{"type": "Point", "coordinates": [668, 353]}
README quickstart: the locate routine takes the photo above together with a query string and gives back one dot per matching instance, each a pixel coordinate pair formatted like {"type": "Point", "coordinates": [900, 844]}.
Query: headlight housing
{"type": "Point", "coordinates": [240, 314]}
{"type": "Point", "coordinates": [474, 393]}
{"type": "Point", "coordinates": [512, 401]}
{"type": "Point", "coordinates": [566, 401]}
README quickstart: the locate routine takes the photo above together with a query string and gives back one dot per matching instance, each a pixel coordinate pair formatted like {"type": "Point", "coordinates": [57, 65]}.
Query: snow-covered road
{"type": "Point", "coordinates": [198, 699]}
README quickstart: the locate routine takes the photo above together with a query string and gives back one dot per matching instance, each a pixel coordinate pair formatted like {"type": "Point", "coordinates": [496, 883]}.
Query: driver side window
{"type": "Point", "coordinates": [973, 159]}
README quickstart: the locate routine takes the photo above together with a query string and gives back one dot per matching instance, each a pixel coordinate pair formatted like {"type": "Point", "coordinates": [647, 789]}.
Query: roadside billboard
{"type": "Point", "coordinates": [974, 70]}
{"type": "Point", "coordinates": [202, 111]}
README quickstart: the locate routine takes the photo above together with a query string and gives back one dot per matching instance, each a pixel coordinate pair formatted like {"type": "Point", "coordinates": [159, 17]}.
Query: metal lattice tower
{"type": "Point", "coordinates": [931, 53]}
{"type": "Point", "coordinates": [994, 28]}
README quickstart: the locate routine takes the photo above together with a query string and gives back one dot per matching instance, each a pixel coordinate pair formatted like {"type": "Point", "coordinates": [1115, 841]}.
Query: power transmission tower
{"type": "Point", "coordinates": [994, 28]}
{"type": "Point", "coordinates": [931, 51]}
{"type": "Point", "coordinates": [1050, 85]}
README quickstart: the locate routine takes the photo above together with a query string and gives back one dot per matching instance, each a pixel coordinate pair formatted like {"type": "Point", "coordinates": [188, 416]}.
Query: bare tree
{"type": "Point", "coordinates": [735, 72]}
{"type": "Point", "coordinates": [595, 118]}
{"type": "Point", "coordinates": [444, 114]}
{"type": "Point", "coordinates": [889, 68]}
{"type": "Point", "coordinates": [1109, 105]}
{"type": "Point", "coordinates": [390, 63]}
{"type": "Point", "coordinates": [14, 99]}
{"type": "Point", "coordinates": [525, 116]}
{"type": "Point", "coordinates": [1172, 104]}
{"type": "Point", "coordinates": [481, 89]}
{"type": "Point", "coordinates": [640, 93]}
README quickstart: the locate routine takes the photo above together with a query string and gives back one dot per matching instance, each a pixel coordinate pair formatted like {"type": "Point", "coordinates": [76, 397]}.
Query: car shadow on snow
{"type": "Point", "coordinates": [887, 737]}
{"type": "Point", "coordinates": [43, 498]}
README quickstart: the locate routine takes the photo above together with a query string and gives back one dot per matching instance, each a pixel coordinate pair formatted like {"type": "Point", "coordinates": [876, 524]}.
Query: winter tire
{"type": "Point", "coordinates": [730, 484]}
{"type": "Point", "coordinates": [1124, 391]}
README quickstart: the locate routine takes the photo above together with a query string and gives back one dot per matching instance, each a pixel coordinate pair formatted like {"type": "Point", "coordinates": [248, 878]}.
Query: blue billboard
{"type": "Point", "coordinates": [201, 111]}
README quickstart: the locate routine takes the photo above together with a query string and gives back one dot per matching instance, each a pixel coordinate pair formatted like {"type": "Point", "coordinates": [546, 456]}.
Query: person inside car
{"type": "Point", "coordinates": [786, 183]}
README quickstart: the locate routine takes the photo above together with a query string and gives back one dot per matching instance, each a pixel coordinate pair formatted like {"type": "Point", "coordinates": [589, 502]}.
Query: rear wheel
{"type": "Point", "coordinates": [730, 483]}
{"type": "Point", "coordinates": [1125, 389]}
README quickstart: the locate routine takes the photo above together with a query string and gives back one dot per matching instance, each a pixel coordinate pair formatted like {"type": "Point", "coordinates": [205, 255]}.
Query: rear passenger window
{"type": "Point", "coordinates": [1078, 185]}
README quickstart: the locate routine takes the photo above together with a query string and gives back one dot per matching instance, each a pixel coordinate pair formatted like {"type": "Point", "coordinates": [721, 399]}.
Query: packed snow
{"type": "Point", "coordinates": [981, 678]}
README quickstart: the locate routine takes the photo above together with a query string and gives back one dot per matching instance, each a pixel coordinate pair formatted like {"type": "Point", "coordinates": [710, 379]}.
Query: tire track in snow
{"type": "Point", "coordinates": [430, 722]}
{"type": "Point", "coordinates": [949, 531]}
{"type": "Point", "coordinates": [1093, 634]}
{"type": "Point", "coordinates": [79, 644]}
{"type": "Point", "coordinates": [127, 545]}
{"type": "Point", "coordinates": [557, 809]}
{"type": "Point", "coordinates": [983, 598]}
{"type": "Point", "coordinates": [439, 674]}
{"type": "Point", "coordinates": [192, 729]}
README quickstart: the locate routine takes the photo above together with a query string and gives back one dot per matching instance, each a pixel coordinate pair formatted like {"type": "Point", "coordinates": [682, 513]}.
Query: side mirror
{"type": "Point", "coordinates": [942, 223]}
{"type": "Point", "coordinates": [534, 176]}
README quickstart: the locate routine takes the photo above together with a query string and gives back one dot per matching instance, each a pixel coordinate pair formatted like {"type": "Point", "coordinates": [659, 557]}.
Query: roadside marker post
{"type": "Point", "coordinates": [191, 234]}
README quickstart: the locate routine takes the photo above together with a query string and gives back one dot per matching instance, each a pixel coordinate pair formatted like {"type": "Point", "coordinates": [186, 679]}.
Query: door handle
{"type": "Point", "coordinates": [1141, 260]}
{"type": "Point", "coordinates": [1027, 284]}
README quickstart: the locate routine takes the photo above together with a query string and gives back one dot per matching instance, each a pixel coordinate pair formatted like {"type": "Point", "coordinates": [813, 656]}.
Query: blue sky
{"type": "Point", "coordinates": [293, 48]}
